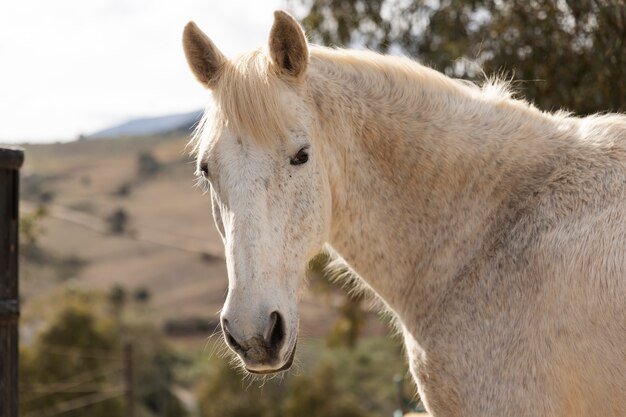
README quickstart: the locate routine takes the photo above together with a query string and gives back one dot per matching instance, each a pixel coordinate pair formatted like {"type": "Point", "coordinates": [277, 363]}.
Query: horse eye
{"type": "Point", "coordinates": [301, 157]}
{"type": "Point", "coordinates": [204, 169]}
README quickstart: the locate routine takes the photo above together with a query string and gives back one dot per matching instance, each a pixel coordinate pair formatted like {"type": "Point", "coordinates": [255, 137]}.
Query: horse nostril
{"type": "Point", "coordinates": [229, 337]}
{"type": "Point", "coordinates": [276, 332]}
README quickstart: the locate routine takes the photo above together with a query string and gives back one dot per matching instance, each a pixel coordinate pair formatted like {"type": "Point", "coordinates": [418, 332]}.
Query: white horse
{"type": "Point", "coordinates": [495, 233]}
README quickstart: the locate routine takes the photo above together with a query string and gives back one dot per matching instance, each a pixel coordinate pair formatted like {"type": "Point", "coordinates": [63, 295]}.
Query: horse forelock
{"type": "Point", "coordinates": [248, 102]}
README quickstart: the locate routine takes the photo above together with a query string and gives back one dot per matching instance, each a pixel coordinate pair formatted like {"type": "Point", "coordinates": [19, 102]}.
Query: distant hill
{"type": "Point", "coordinates": [149, 126]}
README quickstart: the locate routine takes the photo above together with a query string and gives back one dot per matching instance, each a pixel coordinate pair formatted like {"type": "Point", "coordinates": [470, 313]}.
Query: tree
{"type": "Point", "coordinates": [142, 295]}
{"type": "Point", "coordinates": [347, 328]}
{"type": "Point", "coordinates": [123, 190]}
{"type": "Point", "coordinates": [147, 164]}
{"type": "Point", "coordinates": [154, 367]}
{"type": "Point", "coordinates": [31, 232]}
{"type": "Point", "coordinates": [71, 363]}
{"type": "Point", "coordinates": [316, 396]}
{"type": "Point", "coordinates": [321, 391]}
{"type": "Point", "coordinates": [222, 393]}
{"type": "Point", "coordinates": [118, 221]}
{"type": "Point", "coordinates": [567, 53]}
{"type": "Point", "coordinates": [117, 299]}
{"type": "Point", "coordinates": [77, 358]}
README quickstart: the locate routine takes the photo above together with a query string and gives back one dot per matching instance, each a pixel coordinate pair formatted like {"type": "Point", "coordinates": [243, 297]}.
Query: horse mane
{"type": "Point", "coordinates": [247, 98]}
{"type": "Point", "coordinates": [375, 71]}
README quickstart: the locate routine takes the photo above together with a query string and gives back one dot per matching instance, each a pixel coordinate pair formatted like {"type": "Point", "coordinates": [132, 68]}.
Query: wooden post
{"type": "Point", "coordinates": [128, 378]}
{"type": "Point", "coordinates": [10, 163]}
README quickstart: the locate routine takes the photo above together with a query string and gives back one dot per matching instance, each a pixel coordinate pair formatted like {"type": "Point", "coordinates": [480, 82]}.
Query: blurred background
{"type": "Point", "coordinates": [122, 273]}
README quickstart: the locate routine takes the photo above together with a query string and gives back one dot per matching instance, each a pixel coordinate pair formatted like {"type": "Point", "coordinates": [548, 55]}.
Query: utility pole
{"type": "Point", "coordinates": [10, 163]}
{"type": "Point", "coordinates": [128, 379]}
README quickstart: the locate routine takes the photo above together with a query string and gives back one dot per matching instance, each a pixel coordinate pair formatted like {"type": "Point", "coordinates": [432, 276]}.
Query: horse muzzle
{"type": "Point", "coordinates": [261, 353]}
{"type": "Point", "coordinates": [286, 366]}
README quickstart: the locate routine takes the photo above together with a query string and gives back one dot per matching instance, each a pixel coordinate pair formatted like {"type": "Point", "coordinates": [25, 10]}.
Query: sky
{"type": "Point", "coordinates": [70, 67]}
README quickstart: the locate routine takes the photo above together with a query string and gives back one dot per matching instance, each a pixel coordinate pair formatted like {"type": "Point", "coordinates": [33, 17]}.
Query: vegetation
{"type": "Point", "coordinates": [118, 221]}
{"type": "Point", "coordinates": [189, 326]}
{"type": "Point", "coordinates": [123, 190]}
{"type": "Point", "coordinates": [76, 366]}
{"type": "Point", "coordinates": [31, 251]}
{"type": "Point", "coordinates": [328, 382]}
{"type": "Point", "coordinates": [31, 231]}
{"type": "Point", "coordinates": [147, 164]}
{"type": "Point", "coordinates": [347, 328]}
{"type": "Point", "coordinates": [117, 299]}
{"type": "Point", "coordinates": [142, 295]}
{"type": "Point", "coordinates": [314, 395]}
{"type": "Point", "coordinates": [38, 188]}
{"type": "Point", "coordinates": [69, 362]}
{"type": "Point", "coordinates": [569, 54]}
{"type": "Point", "coordinates": [121, 301]}
{"type": "Point", "coordinates": [75, 363]}
{"type": "Point", "coordinates": [156, 364]}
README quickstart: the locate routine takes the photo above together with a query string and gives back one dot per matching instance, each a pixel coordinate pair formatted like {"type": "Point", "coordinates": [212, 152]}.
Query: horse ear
{"type": "Point", "coordinates": [203, 57]}
{"type": "Point", "coordinates": [288, 45]}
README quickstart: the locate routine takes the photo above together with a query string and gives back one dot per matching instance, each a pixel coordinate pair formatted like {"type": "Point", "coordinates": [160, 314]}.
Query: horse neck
{"type": "Point", "coordinates": [422, 174]}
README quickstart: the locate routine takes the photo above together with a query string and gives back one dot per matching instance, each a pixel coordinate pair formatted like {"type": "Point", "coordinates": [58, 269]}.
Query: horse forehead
{"type": "Point", "coordinates": [241, 161]}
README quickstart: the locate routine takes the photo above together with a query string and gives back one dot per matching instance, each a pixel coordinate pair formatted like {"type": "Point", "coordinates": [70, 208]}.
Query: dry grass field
{"type": "Point", "coordinates": [170, 246]}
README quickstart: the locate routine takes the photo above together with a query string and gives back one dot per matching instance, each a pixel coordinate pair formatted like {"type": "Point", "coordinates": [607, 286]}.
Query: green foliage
{"type": "Point", "coordinates": [347, 328]}
{"type": "Point", "coordinates": [366, 372]}
{"type": "Point", "coordinates": [30, 226]}
{"type": "Point", "coordinates": [317, 395]}
{"type": "Point", "coordinates": [31, 231]}
{"type": "Point", "coordinates": [155, 363]}
{"type": "Point", "coordinates": [76, 327]}
{"type": "Point", "coordinates": [314, 395]}
{"type": "Point", "coordinates": [78, 357]}
{"type": "Point", "coordinates": [352, 317]}
{"type": "Point", "coordinates": [568, 53]}
{"type": "Point", "coordinates": [71, 361]}
{"type": "Point", "coordinates": [327, 382]}
{"type": "Point", "coordinates": [223, 393]}
{"type": "Point", "coordinates": [117, 296]}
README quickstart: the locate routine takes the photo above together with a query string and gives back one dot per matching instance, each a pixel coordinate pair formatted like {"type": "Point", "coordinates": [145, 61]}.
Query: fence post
{"type": "Point", "coordinates": [10, 163]}
{"type": "Point", "coordinates": [128, 379]}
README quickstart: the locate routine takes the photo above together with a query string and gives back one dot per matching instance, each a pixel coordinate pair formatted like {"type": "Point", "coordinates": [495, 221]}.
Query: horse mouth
{"type": "Point", "coordinates": [286, 366]}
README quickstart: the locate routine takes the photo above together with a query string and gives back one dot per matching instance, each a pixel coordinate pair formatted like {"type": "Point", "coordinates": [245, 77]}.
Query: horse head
{"type": "Point", "coordinates": [270, 194]}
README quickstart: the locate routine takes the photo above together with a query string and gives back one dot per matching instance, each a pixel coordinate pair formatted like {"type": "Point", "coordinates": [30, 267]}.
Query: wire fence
{"type": "Point", "coordinates": [147, 234]}
{"type": "Point", "coordinates": [111, 379]}
{"type": "Point", "coordinates": [75, 404]}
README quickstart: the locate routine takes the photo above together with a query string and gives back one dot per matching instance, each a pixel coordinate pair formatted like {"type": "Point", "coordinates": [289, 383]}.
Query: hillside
{"type": "Point", "coordinates": [169, 246]}
{"type": "Point", "coordinates": [146, 126]}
